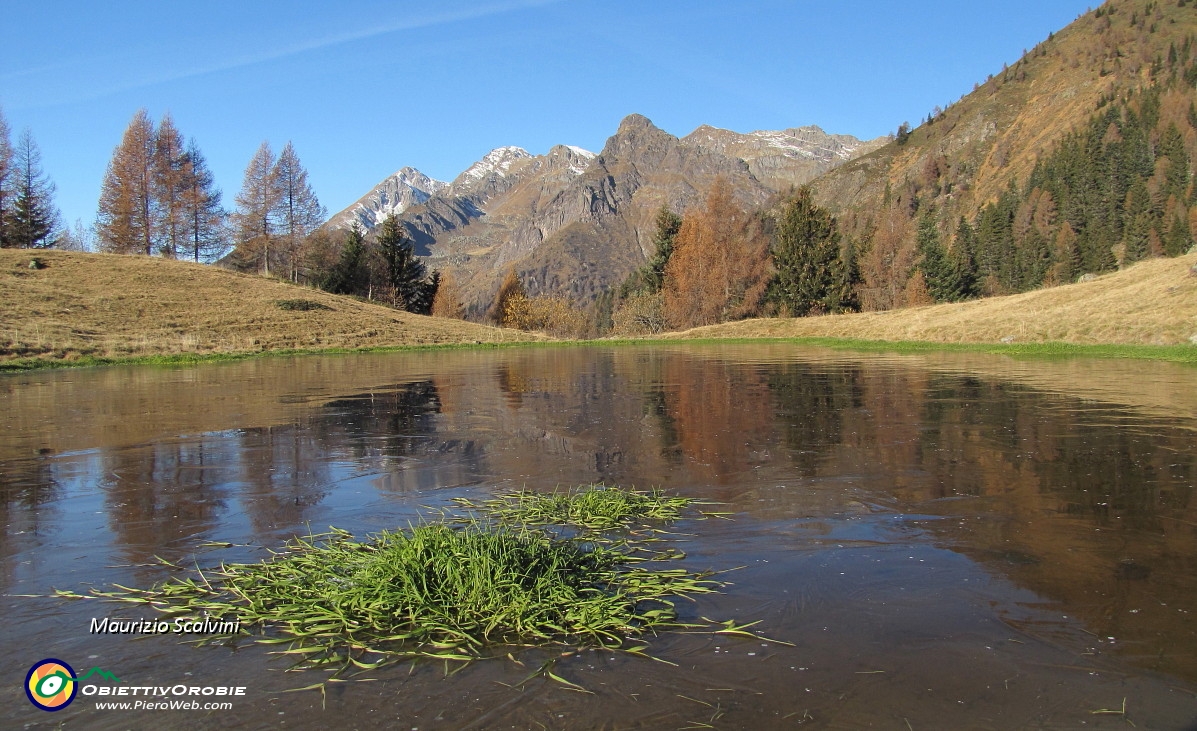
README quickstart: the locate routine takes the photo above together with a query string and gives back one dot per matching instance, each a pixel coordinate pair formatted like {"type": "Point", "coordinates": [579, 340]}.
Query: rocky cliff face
{"type": "Point", "coordinates": [790, 157]}
{"type": "Point", "coordinates": [572, 222]}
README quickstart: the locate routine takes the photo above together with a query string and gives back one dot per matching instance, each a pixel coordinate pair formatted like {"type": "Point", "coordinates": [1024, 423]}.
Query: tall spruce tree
{"type": "Point", "coordinates": [35, 220]}
{"type": "Point", "coordinates": [426, 295]}
{"type": "Point", "coordinates": [403, 272]}
{"type": "Point", "coordinates": [964, 263]}
{"type": "Point", "coordinates": [937, 270]}
{"type": "Point", "coordinates": [1137, 229]}
{"type": "Point", "coordinates": [651, 277]}
{"type": "Point", "coordinates": [806, 255]}
{"type": "Point", "coordinates": [126, 222]}
{"type": "Point", "coordinates": [1180, 237]}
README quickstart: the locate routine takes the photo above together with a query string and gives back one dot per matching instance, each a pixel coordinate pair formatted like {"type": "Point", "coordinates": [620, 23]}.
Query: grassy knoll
{"type": "Point", "coordinates": [88, 308]}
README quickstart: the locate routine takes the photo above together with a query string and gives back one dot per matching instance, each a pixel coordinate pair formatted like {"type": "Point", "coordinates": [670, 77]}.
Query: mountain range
{"type": "Point", "coordinates": [575, 222]}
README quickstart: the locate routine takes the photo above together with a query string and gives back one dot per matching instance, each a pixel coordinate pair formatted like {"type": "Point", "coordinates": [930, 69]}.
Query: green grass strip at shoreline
{"type": "Point", "coordinates": [21, 365]}
{"type": "Point", "coordinates": [1185, 354]}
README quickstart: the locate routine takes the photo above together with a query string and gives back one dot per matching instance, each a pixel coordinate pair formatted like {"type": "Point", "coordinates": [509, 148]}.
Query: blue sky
{"type": "Point", "coordinates": [364, 88]}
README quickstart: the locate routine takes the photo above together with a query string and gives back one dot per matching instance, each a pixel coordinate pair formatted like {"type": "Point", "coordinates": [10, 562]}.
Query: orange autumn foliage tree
{"type": "Point", "coordinates": [720, 267]}
{"type": "Point", "coordinates": [447, 301]}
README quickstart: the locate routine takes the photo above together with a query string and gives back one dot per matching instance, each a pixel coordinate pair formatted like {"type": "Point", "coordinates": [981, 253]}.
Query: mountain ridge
{"type": "Point", "coordinates": [591, 213]}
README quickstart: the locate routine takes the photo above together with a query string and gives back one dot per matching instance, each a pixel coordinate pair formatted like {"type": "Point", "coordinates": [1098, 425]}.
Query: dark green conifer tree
{"type": "Point", "coordinates": [1034, 260]}
{"type": "Point", "coordinates": [1137, 217]}
{"type": "Point", "coordinates": [806, 254]}
{"type": "Point", "coordinates": [649, 278]}
{"type": "Point", "coordinates": [964, 263]}
{"type": "Point", "coordinates": [1179, 238]}
{"type": "Point", "coordinates": [403, 272]}
{"type": "Point", "coordinates": [933, 259]}
{"type": "Point", "coordinates": [34, 221]}
{"type": "Point", "coordinates": [349, 275]}
{"type": "Point", "coordinates": [1172, 147]}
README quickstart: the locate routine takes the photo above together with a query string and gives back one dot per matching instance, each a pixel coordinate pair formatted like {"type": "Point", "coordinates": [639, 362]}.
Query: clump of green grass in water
{"type": "Point", "coordinates": [435, 591]}
{"type": "Point", "coordinates": [595, 507]}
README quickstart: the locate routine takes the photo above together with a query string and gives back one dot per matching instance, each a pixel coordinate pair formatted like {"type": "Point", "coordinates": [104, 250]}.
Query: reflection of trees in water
{"type": "Point", "coordinates": [656, 405]}
{"type": "Point", "coordinates": [30, 493]}
{"type": "Point", "coordinates": [383, 429]}
{"type": "Point", "coordinates": [162, 492]}
{"type": "Point", "coordinates": [1085, 505]}
{"type": "Point", "coordinates": [285, 469]}
{"type": "Point", "coordinates": [987, 438]}
{"type": "Point", "coordinates": [513, 383]}
{"type": "Point", "coordinates": [1104, 470]}
{"type": "Point", "coordinates": [811, 404]}
{"type": "Point", "coordinates": [159, 493]}
{"type": "Point", "coordinates": [389, 422]}
{"type": "Point", "coordinates": [720, 412]}
{"type": "Point", "coordinates": [28, 483]}
{"type": "Point", "coordinates": [565, 416]}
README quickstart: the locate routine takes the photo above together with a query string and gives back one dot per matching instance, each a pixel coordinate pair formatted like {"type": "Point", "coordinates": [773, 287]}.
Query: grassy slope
{"type": "Point", "coordinates": [1151, 303]}
{"type": "Point", "coordinates": [99, 306]}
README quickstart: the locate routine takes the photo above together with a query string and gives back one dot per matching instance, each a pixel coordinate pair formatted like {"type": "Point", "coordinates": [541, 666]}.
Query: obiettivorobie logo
{"type": "Point", "coordinates": [51, 684]}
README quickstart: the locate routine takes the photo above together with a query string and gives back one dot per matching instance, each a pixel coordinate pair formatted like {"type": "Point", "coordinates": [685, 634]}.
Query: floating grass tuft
{"type": "Point", "coordinates": [594, 507]}
{"type": "Point", "coordinates": [504, 577]}
{"type": "Point", "coordinates": [435, 591]}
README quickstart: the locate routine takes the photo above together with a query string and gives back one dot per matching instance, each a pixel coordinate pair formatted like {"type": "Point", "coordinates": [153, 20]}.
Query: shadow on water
{"type": "Point", "coordinates": [948, 541]}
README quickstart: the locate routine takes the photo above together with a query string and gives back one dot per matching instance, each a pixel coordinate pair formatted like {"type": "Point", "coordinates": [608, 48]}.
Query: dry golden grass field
{"type": "Point", "coordinates": [1153, 302]}
{"type": "Point", "coordinates": [82, 306]}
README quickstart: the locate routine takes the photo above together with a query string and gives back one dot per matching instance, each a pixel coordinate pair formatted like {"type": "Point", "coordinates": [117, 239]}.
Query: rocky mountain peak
{"type": "Point", "coordinates": [634, 122]}
{"type": "Point", "coordinates": [576, 158]}
{"type": "Point", "coordinates": [406, 188]}
{"type": "Point", "coordinates": [496, 162]}
{"type": "Point", "coordinates": [637, 139]}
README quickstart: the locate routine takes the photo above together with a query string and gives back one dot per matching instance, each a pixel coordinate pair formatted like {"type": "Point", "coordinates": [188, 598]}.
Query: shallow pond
{"type": "Point", "coordinates": [947, 540]}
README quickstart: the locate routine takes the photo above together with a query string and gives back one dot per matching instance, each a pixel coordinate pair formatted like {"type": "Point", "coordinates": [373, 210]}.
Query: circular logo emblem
{"type": "Point", "coordinates": [51, 685]}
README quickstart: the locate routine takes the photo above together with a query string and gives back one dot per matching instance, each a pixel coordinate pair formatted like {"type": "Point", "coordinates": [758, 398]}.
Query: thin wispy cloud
{"type": "Point", "coordinates": [287, 51]}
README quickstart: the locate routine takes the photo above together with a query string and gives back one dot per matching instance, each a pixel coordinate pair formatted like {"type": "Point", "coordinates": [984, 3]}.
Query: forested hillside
{"type": "Point", "coordinates": [1074, 160]}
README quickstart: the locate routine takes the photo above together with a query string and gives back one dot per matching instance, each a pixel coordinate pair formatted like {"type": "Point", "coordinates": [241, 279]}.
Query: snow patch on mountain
{"type": "Point", "coordinates": [810, 142]}
{"type": "Point", "coordinates": [496, 162]}
{"type": "Point", "coordinates": [406, 188]}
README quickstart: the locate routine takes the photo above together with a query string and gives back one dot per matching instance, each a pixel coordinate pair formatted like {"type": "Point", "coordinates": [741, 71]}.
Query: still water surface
{"type": "Point", "coordinates": [949, 540]}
